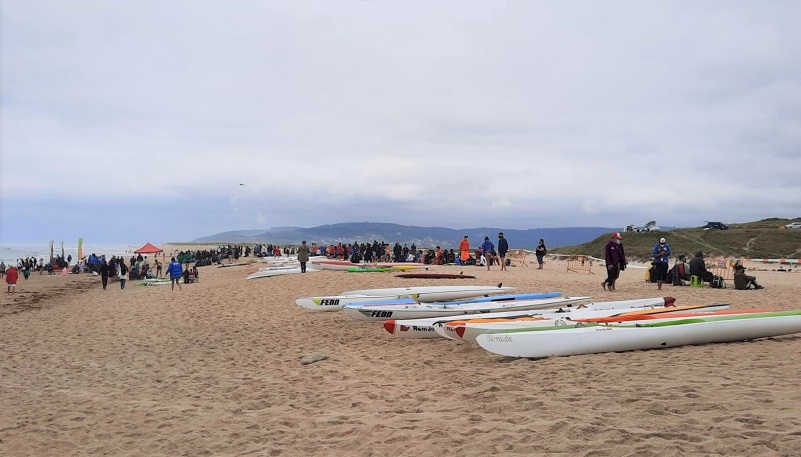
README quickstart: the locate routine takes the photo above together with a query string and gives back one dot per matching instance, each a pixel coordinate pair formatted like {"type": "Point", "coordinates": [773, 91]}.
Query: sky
{"type": "Point", "coordinates": [129, 121]}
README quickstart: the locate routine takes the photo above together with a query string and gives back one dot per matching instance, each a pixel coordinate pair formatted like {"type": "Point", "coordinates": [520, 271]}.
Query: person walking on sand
{"type": "Point", "coordinates": [11, 279]}
{"type": "Point", "coordinates": [464, 250]}
{"type": "Point", "coordinates": [661, 253]}
{"type": "Point", "coordinates": [503, 248]}
{"type": "Point", "coordinates": [303, 255]}
{"type": "Point", "coordinates": [123, 275]}
{"type": "Point", "coordinates": [175, 271]}
{"type": "Point", "coordinates": [106, 269]}
{"type": "Point", "coordinates": [540, 253]}
{"type": "Point", "coordinates": [615, 260]}
{"type": "Point", "coordinates": [489, 249]}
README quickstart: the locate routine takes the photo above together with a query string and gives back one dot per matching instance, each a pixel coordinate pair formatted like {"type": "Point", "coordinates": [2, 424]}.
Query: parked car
{"type": "Point", "coordinates": [793, 225]}
{"type": "Point", "coordinates": [715, 226]}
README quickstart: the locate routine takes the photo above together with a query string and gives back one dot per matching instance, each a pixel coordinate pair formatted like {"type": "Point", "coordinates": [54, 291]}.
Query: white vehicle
{"type": "Point", "coordinates": [649, 227]}
{"type": "Point", "coordinates": [793, 225]}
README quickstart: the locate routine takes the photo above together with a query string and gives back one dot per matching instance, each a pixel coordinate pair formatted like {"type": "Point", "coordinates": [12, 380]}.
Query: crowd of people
{"type": "Point", "coordinates": [485, 255]}
{"type": "Point", "coordinates": [683, 272]}
{"type": "Point", "coordinates": [139, 267]}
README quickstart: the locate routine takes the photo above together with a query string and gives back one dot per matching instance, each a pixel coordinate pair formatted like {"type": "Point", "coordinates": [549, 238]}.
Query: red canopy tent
{"type": "Point", "coordinates": [148, 249]}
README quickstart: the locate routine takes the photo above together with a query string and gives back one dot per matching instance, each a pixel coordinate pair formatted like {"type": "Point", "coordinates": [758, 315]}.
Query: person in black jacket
{"type": "Point", "coordinates": [698, 268]}
{"type": "Point", "coordinates": [503, 248]}
{"type": "Point", "coordinates": [107, 269]}
{"type": "Point", "coordinates": [540, 253]}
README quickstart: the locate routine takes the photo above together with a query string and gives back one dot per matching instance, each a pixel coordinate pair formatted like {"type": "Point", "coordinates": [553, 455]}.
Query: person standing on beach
{"type": "Point", "coordinates": [540, 253]}
{"type": "Point", "coordinates": [303, 256]}
{"type": "Point", "coordinates": [503, 248]}
{"type": "Point", "coordinates": [106, 270]}
{"type": "Point", "coordinates": [158, 268]}
{"type": "Point", "coordinates": [489, 250]}
{"type": "Point", "coordinates": [661, 253]}
{"type": "Point", "coordinates": [11, 279]}
{"type": "Point", "coordinates": [175, 271]}
{"type": "Point", "coordinates": [615, 260]}
{"type": "Point", "coordinates": [2, 269]}
{"type": "Point", "coordinates": [464, 250]}
{"type": "Point", "coordinates": [123, 274]}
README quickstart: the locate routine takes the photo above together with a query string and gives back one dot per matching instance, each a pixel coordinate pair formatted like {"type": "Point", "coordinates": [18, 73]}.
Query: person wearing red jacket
{"type": "Point", "coordinates": [11, 279]}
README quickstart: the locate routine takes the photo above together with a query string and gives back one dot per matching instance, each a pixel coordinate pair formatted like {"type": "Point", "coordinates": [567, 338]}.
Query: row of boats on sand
{"type": "Point", "coordinates": [288, 265]}
{"type": "Point", "coordinates": [536, 325]}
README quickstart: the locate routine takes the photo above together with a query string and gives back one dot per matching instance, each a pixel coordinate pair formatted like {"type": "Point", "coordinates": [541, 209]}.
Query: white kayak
{"type": "Point", "coordinates": [277, 272]}
{"type": "Point", "coordinates": [281, 267]}
{"type": "Point", "coordinates": [440, 309]}
{"type": "Point", "coordinates": [597, 338]}
{"type": "Point", "coordinates": [468, 331]}
{"type": "Point", "coordinates": [435, 293]}
{"type": "Point", "coordinates": [411, 294]}
{"type": "Point", "coordinates": [337, 302]}
{"type": "Point", "coordinates": [425, 328]}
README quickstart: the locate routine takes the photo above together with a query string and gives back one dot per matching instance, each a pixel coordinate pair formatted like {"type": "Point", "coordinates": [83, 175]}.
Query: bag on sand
{"type": "Point", "coordinates": [718, 283]}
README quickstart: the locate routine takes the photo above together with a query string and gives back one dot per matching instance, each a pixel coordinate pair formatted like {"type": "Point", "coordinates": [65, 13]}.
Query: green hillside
{"type": "Point", "coordinates": [761, 239]}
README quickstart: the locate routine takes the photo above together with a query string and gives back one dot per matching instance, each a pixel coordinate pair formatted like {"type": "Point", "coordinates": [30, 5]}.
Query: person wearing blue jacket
{"type": "Point", "coordinates": [661, 253]}
{"type": "Point", "coordinates": [489, 250]}
{"type": "Point", "coordinates": [175, 271]}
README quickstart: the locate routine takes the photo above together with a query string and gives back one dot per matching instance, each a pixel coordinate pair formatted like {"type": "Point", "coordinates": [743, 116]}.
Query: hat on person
{"type": "Point", "coordinates": [738, 266]}
{"type": "Point", "coordinates": [662, 240]}
{"type": "Point", "coordinates": [617, 236]}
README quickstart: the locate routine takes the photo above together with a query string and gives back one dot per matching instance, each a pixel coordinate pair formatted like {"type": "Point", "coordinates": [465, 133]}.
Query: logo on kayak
{"type": "Point", "coordinates": [422, 329]}
{"type": "Point", "coordinates": [499, 338]}
{"type": "Point", "coordinates": [404, 328]}
{"type": "Point", "coordinates": [329, 302]}
{"type": "Point", "coordinates": [384, 314]}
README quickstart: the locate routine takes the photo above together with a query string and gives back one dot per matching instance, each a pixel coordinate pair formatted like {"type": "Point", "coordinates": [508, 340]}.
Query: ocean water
{"type": "Point", "coordinates": [9, 252]}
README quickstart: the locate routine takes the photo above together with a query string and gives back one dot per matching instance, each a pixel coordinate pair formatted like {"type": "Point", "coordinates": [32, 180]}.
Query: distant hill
{"type": "Point", "coordinates": [424, 237]}
{"type": "Point", "coordinates": [766, 238]}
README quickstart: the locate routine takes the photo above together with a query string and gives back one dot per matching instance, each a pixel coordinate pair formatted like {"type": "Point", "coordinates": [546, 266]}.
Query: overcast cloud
{"type": "Point", "coordinates": [126, 121]}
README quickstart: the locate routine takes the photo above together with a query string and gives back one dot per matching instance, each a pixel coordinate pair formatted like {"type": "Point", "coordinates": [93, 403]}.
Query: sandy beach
{"type": "Point", "coordinates": [214, 369]}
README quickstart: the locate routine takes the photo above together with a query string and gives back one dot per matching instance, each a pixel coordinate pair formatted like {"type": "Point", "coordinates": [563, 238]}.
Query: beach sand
{"type": "Point", "coordinates": [215, 369]}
